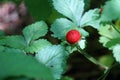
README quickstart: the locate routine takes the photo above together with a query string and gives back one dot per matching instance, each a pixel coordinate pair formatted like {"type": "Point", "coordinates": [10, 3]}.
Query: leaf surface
{"type": "Point", "coordinates": [54, 57]}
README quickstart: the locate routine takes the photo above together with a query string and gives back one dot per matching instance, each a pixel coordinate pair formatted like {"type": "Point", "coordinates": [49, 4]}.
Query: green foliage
{"type": "Point", "coordinates": [91, 18]}
{"type": "Point", "coordinates": [82, 44]}
{"type": "Point", "coordinates": [110, 38]}
{"type": "Point", "coordinates": [106, 60]}
{"type": "Point", "coordinates": [39, 9]}
{"type": "Point", "coordinates": [116, 52]}
{"type": "Point", "coordinates": [15, 1]}
{"type": "Point", "coordinates": [54, 57]}
{"type": "Point", "coordinates": [113, 42]}
{"type": "Point", "coordinates": [48, 59]}
{"type": "Point", "coordinates": [15, 63]}
{"type": "Point", "coordinates": [108, 34]}
{"type": "Point", "coordinates": [30, 43]}
{"type": "Point", "coordinates": [103, 40]}
{"type": "Point", "coordinates": [13, 41]}
{"type": "Point", "coordinates": [37, 45]}
{"type": "Point", "coordinates": [34, 31]}
{"type": "Point", "coordinates": [16, 46]}
{"type": "Point", "coordinates": [1, 48]}
{"type": "Point", "coordinates": [72, 9]}
{"type": "Point", "coordinates": [111, 10]}
{"type": "Point", "coordinates": [61, 26]}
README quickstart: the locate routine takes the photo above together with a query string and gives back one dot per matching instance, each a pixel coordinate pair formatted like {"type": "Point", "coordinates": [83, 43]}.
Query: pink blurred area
{"type": "Point", "coordinates": [12, 17]}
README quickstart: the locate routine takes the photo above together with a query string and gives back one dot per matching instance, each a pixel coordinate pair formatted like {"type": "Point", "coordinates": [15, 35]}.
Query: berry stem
{"type": "Point", "coordinates": [90, 58]}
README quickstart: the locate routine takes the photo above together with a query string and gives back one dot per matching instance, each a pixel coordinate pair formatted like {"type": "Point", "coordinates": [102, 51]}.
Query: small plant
{"type": "Point", "coordinates": [33, 56]}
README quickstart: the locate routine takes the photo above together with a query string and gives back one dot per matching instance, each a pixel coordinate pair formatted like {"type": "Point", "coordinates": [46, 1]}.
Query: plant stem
{"type": "Point", "coordinates": [106, 72]}
{"type": "Point", "coordinates": [115, 28]}
{"type": "Point", "coordinates": [104, 75]}
{"type": "Point", "coordinates": [90, 58]}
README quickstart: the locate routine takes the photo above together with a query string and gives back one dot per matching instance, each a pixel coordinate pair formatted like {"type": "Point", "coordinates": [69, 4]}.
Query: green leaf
{"type": "Point", "coordinates": [37, 45]}
{"type": "Point", "coordinates": [111, 10]}
{"type": "Point", "coordinates": [61, 26]}
{"type": "Point", "coordinates": [116, 52]}
{"type": "Point", "coordinates": [91, 18]}
{"type": "Point", "coordinates": [34, 31]}
{"type": "Point", "coordinates": [82, 44]}
{"type": "Point", "coordinates": [70, 49]}
{"type": "Point", "coordinates": [109, 32]}
{"type": "Point", "coordinates": [103, 40]}
{"type": "Point", "coordinates": [106, 60]}
{"type": "Point", "coordinates": [53, 57]}
{"type": "Point", "coordinates": [1, 48]}
{"type": "Point", "coordinates": [72, 9]}
{"type": "Point", "coordinates": [19, 64]}
{"type": "Point", "coordinates": [15, 1]}
{"type": "Point", "coordinates": [113, 42]}
{"type": "Point", "coordinates": [13, 41]}
{"type": "Point", "coordinates": [83, 32]}
{"type": "Point", "coordinates": [11, 50]}
{"type": "Point", "coordinates": [39, 9]}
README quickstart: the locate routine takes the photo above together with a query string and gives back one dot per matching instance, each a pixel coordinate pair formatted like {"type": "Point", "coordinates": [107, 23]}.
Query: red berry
{"type": "Point", "coordinates": [73, 36]}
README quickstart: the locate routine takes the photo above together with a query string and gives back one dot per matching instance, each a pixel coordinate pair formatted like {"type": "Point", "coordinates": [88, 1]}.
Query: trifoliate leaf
{"type": "Point", "coordinates": [111, 10]}
{"type": "Point", "coordinates": [82, 44]}
{"type": "Point", "coordinates": [113, 42]}
{"type": "Point", "coordinates": [53, 57]}
{"type": "Point", "coordinates": [39, 9]}
{"type": "Point", "coordinates": [15, 63]}
{"type": "Point", "coordinates": [61, 26]}
{"type": "Point", "coordinates": [72, 9]}
{"type": "Point", "coordinates": [13, 41]}
{"type": "Point", "coordinates": [37, 45]}
{"type": "Point", "coordinates": [109, 32]}
{"type": "Point", "coordinates": [91, 18]}
{"type": "Point", "coordinates": [116, 52]}
{"type": "Point", "coordinates": [34, 31]}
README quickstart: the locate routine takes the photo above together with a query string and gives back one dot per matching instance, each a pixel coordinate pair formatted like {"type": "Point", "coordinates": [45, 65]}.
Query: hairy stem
{"type": "Point", "coordinates": [90, 58]}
